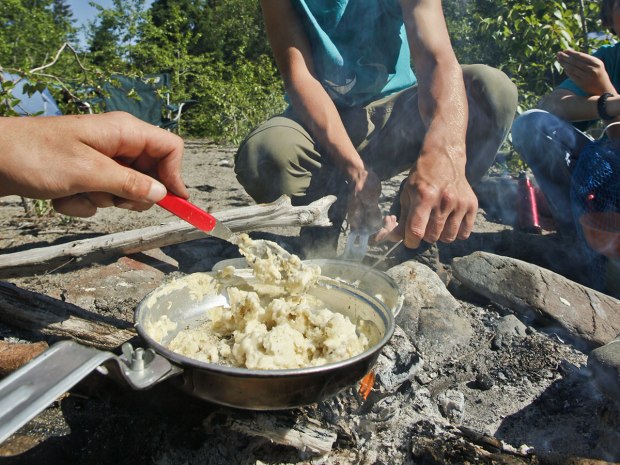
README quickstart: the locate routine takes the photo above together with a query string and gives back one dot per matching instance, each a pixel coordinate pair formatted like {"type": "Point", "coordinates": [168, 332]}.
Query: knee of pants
{"type": "Point", "coordinates": [494, 88]}
{"type": "Point", "coordinates": [532, 133]}
{"type": "Point", "coordinates": [272, 162]}
{"type": "Point", "coordinates": [522, 129]}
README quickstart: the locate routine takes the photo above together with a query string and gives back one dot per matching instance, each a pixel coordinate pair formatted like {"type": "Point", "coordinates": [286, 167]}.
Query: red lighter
{"type": "Point", "coordinates": [527, 208]}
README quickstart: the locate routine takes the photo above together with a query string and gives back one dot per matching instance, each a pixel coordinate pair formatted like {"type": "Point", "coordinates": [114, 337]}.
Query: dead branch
{"type": "Point", "coordinates": [255, 217]}
{"type": "Point", "coordinates": [44, 315]}
{"type": "Point", "coordinates": [305, 436]}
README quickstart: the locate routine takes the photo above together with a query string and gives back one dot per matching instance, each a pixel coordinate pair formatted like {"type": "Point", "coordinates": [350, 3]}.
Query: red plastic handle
{"type": "Point", "coordinates": [188, 211]}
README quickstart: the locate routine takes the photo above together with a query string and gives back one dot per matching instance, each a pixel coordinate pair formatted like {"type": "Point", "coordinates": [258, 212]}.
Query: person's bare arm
{"type": "Point", "coordinates": [317, 110]}
{"type": "Point", "coordinates": [569, 106]}
{"type": "Point", "coordinates": [589, 73]}
{"type": "Point", "coordinates": [437, 201]}
{"type": "Point", "coordinates": [74, 160]}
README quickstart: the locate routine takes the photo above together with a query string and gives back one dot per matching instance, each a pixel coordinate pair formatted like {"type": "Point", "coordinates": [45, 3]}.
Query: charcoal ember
{"type": "Point", "coordinates": [483, 382]}
{"type": "Point", "coordinates": [398, 362]}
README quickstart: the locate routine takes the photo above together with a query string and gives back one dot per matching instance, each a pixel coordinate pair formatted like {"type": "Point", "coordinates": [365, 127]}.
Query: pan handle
{"type": "Point", "coordinates": [29, 390]}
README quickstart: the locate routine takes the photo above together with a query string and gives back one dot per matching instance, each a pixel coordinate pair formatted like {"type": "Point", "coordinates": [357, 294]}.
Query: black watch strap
{"type": "Point", "coordinates": [601, 106]}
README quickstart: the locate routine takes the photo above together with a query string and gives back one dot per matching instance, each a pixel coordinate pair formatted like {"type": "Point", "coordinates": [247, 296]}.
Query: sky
{"type": "Point", "coordinates": [83, 12]}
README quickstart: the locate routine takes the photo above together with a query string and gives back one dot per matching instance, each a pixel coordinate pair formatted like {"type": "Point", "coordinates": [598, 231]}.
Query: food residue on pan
{"type": "Point", "coordinates": [274, 323]}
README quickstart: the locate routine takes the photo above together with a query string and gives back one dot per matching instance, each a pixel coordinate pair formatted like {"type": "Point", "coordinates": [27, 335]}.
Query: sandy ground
{"type": "Point", "coordinates": [539, 395]}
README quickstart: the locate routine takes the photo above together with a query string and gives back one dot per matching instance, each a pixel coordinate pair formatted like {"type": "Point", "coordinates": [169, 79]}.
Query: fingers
{"type": "Point", "coordinates": [447, 219]}
{"type": "Point", "coordinates": [145, 147]}
{"type": "Point", "coordinates": [389, 231]}
{"type": "Point", "coordinates": [467, 225]}
{"type": "Point", "coordinates": [415, 227]}
{"type": "Point", "coordinates": [85, 205]}
{"type": "Point", "coordinates": [114, 180]}
{"type": "Point", "coordinates": [75, 205]}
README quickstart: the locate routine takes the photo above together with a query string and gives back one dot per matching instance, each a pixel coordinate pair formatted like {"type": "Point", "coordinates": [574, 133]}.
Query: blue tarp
{"type": "Point", "coordinates": [39, 103]}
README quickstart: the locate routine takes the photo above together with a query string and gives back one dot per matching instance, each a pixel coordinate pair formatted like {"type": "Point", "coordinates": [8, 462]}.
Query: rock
{"type": "Point", "coordinates": [440, 332]}
{"type": "Point", "coordinates": [428, 314]}
{"type": "Point", "coordinates": [483, 382]}
{"type": "Point", "coordinates": [421, 288]}
{"type": "Point", "coordinates": [605, 365]}
{"type": "Point", "coordinates": [590, 317]}
{"type": "Point", "coordinates": [13, 356]}
{"type": "Point", "coordinates": [423, 378]}
{"type": "Point", "coordinates": [452, 405]}
{"type": "Point", "coordinates": [508, 328]}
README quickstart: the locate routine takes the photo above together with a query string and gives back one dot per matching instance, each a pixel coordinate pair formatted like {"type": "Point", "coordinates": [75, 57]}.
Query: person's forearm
{"type": "Point", "coordinates": [442, 97]}
{"type": "Point", "coordinates": [321, 117]}
{"type": "Point", "coordinates": [573, 107]}
{"type": "Point", "coordinates": [443, 107]}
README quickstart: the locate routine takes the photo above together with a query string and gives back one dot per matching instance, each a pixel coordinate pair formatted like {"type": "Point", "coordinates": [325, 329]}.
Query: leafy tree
{"type": "Point", "coordinates": [232, 75]}
{"type": "Point", "coordinates": [522, 39]}
{"type": "Point", "coordinates": [31, 30]}
{"type": "Point", "coordinates": [112, 36]}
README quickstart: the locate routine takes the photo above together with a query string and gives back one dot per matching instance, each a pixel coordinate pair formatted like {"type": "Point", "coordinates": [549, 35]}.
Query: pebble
{"type": "Point", "coordinates": [423, 378]}
{"type": "Point", "coordinates": [483, 382]}
{"type": "Point", "coordinates": [452, 405]}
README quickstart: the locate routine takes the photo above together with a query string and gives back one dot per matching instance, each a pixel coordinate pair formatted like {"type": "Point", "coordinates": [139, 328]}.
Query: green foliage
{"type": "Point", "coordinates": [230, 74]}
{"type": "Point", "coordinates": [522, 38]}
{"type": "Point", "coordinates": [7, 101]}
{"type": "Point", "coordinates": [31, 30]}
{"type": "Point", "coordinates": [217, 54]}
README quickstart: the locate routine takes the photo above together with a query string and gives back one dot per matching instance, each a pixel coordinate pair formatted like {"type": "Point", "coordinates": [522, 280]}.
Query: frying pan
{"type": "Point", "coordinates": [29, 390]}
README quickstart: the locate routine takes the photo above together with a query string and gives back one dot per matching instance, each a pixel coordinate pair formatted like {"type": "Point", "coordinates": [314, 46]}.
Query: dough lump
{"type": "Point", "coordinates": [274, 325]}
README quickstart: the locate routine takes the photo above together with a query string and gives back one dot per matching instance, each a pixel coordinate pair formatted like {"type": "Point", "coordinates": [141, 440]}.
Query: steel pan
{"type": "Point", "coordinates": [29, 390]}
{"type": "Point", "coordinates": [265, 389]}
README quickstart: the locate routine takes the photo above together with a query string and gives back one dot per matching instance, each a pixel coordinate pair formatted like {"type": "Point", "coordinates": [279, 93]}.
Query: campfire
{"type": "Point", "coordinates": [496, 367]}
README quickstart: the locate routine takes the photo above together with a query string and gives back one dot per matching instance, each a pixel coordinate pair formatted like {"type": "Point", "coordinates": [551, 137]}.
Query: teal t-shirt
{"type": "Point", "coordinates": [610, 56]}
{"type": "Point", "coordinates": [359, 48]}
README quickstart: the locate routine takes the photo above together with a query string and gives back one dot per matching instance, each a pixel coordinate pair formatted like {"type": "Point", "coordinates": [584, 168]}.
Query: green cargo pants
{"type": "Point", "coordinates": [281, 157]}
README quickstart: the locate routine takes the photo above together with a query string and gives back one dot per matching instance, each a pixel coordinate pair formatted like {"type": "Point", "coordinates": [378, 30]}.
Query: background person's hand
{"type": "Point", "coordinates": [74, 160]}
{"type": "Point", "coordinates": [587, 71]}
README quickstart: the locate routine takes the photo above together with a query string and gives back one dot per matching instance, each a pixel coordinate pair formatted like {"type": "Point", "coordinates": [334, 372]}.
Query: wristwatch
{"type": "Point", "coordinates": [601, 106]}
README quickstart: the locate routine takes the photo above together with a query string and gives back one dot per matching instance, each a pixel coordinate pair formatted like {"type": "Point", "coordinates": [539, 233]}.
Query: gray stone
{"type": "Point", "coordinates": [483, 382]}
{"type": "Point", "coordinates": [452, 405]}
{"type": "Point", "coordinates": [508, 328]}
{"type": "Point", "coordinates": [429, 310]}
{"type": "Point", "coordinates": [593, 318]}
{"type": "Point", "coordinates": [604, 363]}
{"type": "Point", "coordinates": [440, 332]}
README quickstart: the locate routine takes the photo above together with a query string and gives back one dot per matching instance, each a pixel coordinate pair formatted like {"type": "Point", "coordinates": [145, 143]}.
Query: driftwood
{"type": "Point", "coordinates": [42, 314]}
{"type": "Point", "coordinates": [304, 435]}
{"type": "Point", "coordinates": [46, 259]}
{"type": "Point", "coordinates": [534, 292]}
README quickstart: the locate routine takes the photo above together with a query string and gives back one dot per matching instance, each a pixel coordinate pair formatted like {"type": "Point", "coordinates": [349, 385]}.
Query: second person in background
{"type": "Point", "coordinates": [359, 115]}
{"type": "Point", "coordinates": [550, 137]}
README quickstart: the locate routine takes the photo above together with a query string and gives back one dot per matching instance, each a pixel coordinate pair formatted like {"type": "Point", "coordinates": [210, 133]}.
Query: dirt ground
{"type": "Point", "coordinates": [539, 393]}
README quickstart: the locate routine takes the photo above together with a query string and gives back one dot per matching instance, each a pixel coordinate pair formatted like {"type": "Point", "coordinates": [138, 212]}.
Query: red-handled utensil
{"type": "Point", "coordinates": [195, 216]}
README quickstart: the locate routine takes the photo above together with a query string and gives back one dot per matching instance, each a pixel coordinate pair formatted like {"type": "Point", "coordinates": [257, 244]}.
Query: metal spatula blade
{"type": "Point", "coordinates": [356, 246]}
